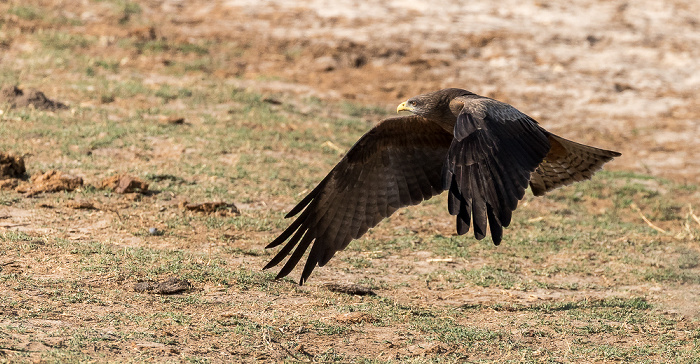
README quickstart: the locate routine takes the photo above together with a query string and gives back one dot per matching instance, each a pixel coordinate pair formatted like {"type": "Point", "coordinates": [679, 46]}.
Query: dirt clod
{"type": "Point", "coordinates": [80, 205]}
{"type": "Point", "coordinates": [8, 184]}
{"type": "Point", "coordinates": [123, 183]}
{"type": "Point", "coordinates": [435, 348]}
{"type": "Point", "coordinates": [272, 101]}
{"type": "Point", "coordinates": [171, 120]}
{"type": "Point", "coordinates": [16, 98]}
{"type": "Point", "coordinates": [172, 285]}
{"type": "Point", "coordinates": [11, 166]}
{"type": "Point", "coordinates": [143, 33]}
{"type": "Point", "coordinates": [352, 289]}
{"type": "Point", "coordinates": [219, 208]}
{"type": "Point", "coordinates": [51, 181]}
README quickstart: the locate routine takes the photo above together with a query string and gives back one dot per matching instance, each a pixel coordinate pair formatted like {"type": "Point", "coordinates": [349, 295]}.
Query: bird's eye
{"type": "Point", "coordinates": [411, 103]}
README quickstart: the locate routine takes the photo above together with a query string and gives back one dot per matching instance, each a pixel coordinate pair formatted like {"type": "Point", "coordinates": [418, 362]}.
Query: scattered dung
{"type": "Point", "coordinates": [51, 181]}
{"type": "Point", "coordinates": [172, 285]}
{"type": "Point", "coordinates": [355, 318]}
{"type": "Point", "coordinates": [8, 184]}
{"type": "Point", "coordinates": [123, 183]}
{"type": "Point", "coordinates": [11, 166]}
{"type": "Point", "coordinates": [352, 289]}
{"type": "Point", "coordinates": [17, 98]}
{"type": "Point", "coordinates": [218, 208]}
{"type": "Point", "coordinates": [80, 205]}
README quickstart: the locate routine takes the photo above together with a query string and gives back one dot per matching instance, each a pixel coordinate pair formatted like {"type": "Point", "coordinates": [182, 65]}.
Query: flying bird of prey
{"type": "Point", "coordinates": [482, 151]}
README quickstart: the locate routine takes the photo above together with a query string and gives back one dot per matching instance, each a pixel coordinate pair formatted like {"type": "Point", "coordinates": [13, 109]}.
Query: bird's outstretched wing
{"type": "Point", "coordinates": [567, 162]}
{"type": "Point", "coordinates": [495, 150]}
{"type": "Point", "coordinates": [397, 163]}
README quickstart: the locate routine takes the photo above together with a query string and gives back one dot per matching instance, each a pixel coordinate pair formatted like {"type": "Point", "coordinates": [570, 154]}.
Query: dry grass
{"type": "Point", "coordinates": [579, 277]}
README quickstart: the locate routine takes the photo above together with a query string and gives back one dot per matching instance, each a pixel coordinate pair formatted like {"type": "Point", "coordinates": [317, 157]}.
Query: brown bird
{"type": "Point", "coordinates": [482, 151]}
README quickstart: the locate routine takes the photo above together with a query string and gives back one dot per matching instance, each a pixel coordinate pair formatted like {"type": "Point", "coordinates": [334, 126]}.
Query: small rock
{"type": "Point", "coordinates": [620, 87]}
{"type": "Point", "coordinates": [16, 97]}
{"type": "Point", "coordinates": [123, 183]}
{"type": "Point", "coordinates": [435, 348]}
{"type": "Point", "coordinates": [171, 285]}
{"type": "Point", "coordinates": [80, 205]}
{"type": "Point", "coordinates": [171, 120]}
{"type": "Point", "coordinates": [352, 289]}
{"type": "Point", "coordinates": [272, 101]}
{"type": "Point", "coordinates": [154, 232]}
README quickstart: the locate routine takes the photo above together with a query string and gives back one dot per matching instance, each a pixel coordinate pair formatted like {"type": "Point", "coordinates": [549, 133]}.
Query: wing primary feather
{"type": "Point", "coordinates": [462, 227]}
{"type": "Point", "coordinates": [296, 256]}
{"type": "Point", "coordinates": [478, 207]}
{"type": "Point", "coordinates": [512, 193]}
{"type": "Point", "coordinates": [289, 230]}
{"type": "Point", "coordinates": [286, 249]}
{"type": "Point", "coordinates": [494, 226]}
{"type": "Point", "coordinates": [453, 202]}
{"type": "Point", "coordinates": [311, 262]}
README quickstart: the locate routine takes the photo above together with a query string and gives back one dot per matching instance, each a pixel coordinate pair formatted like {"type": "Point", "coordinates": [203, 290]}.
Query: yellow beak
{"type": "Point", "coordinates": [402, 107]}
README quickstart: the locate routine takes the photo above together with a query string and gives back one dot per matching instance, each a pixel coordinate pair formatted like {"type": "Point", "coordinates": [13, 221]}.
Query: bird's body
{"type": "Point", "coordinates": [482, 151]}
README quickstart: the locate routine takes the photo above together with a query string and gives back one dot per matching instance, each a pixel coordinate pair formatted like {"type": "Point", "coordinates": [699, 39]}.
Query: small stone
{"type": "Point", "coordinates": [80, 205]}
{"type": "Point", "coordinates": [124, 183]}
{"type": "Point", "coordinates": [171, 120]}
{"type": "Point", "coordinates": [17, 98]}
{"type": "Point", "coordinates": [351, 289]}
{"type": "Point", "coordinates": [172, 285]}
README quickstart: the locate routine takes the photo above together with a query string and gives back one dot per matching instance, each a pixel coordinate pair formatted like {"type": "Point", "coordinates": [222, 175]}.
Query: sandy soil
{"type": "Point", "coordinates": [617, 74]}
{"type": "Point", "coordinates": [614, 73]}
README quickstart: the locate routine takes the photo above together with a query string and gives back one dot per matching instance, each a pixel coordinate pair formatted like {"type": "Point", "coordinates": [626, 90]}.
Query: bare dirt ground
{"type": "Point", "coordinates": [250, 102]}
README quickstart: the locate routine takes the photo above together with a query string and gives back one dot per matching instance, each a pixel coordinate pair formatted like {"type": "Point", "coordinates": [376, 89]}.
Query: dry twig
{"type": "Point", "coordinates": [695, 217]}
{"type": "Point", "coordinates": [651, 224]}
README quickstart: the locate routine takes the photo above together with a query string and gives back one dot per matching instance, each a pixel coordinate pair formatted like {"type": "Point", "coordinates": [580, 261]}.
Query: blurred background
{"type": "Point", "coordinates": [622, 74]}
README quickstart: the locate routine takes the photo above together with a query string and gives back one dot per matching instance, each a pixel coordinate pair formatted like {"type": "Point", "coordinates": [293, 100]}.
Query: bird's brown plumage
{"type": "Point", "coordinates": [482, 151]}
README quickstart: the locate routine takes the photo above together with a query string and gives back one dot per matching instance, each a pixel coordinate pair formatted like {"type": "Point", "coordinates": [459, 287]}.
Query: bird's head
{"type": "Point", "coordinates": [434, 104]}
{"type": "Point", "coordinates": [419, 105]}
